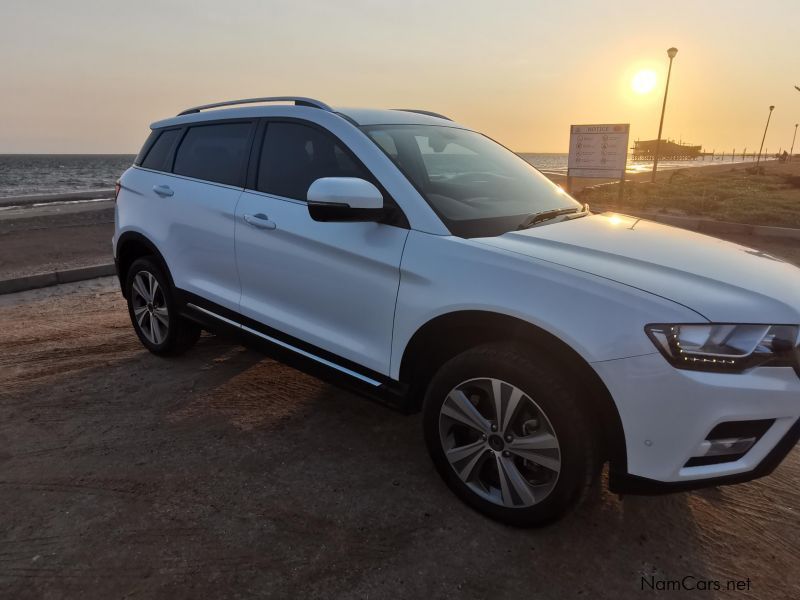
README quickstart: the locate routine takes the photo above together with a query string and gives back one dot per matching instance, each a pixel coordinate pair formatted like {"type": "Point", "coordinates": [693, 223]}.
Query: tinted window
{"type": "Point", "coordinates": [160, 152]}
{"type": "Point", "coordinates": [214, 152]}
{"type": "Point", "coordinates": [295, 155]}
{"type": "Point", "coordinates": [148, 143]}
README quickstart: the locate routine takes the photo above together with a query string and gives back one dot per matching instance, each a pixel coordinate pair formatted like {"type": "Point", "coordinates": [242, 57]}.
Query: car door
{"type": "Point", "coordinates": [201, 195]}
{"type": "Point", "coordinates": [331, 285]}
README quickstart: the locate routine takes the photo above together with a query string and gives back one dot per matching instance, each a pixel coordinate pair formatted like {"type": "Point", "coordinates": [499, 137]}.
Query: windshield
{"type": "Point", "coordinates": [475, 185]}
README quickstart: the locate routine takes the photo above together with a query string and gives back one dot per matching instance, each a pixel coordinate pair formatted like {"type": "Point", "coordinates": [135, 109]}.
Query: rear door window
{"type": "Point", "coordinates": [295, 155]}
{"type": "Point", "coordinates": [215, 153]}
{"type": "Point", "coordinates": [160, 152]}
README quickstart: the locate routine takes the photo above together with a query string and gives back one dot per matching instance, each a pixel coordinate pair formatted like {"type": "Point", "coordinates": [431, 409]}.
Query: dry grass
{"type": "Point", "coordinates": [772, 198]}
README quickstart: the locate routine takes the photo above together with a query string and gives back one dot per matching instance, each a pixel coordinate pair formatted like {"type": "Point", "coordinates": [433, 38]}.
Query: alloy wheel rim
{"type": "Point", "coordinates": [150, 307]}
{"type": "Point", "coordinates": [499, 442]}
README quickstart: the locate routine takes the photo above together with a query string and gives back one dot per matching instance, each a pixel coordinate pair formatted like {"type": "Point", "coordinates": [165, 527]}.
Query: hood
{"type": "Point", "coordinates": [724, 282]}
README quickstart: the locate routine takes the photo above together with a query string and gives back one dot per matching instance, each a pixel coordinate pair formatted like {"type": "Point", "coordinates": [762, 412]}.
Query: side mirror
{"type": "Point", "coordinates": [344, 199]}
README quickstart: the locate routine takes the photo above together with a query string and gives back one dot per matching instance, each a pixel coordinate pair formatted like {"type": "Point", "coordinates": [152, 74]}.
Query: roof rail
{"type": "Point", "coordinates": [424, 112]}
{"type": "Point", "coordinates": [298, 101]}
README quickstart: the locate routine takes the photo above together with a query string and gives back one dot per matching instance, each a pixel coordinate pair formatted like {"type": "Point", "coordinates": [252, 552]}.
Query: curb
{"type": "Point", "coordinates": [31, 282]}
{"type": "Point", "coordinates": [63, 197]}
{"type": "Point", "coordinates": [710, 226]}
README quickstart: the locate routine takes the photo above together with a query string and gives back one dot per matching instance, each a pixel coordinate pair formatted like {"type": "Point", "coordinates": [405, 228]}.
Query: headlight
{"type": "Point", "coordinates": [720, 347]}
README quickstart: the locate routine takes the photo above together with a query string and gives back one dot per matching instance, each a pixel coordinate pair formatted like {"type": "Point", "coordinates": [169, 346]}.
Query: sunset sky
{"type": "Point", "coordinates": [90, 75]}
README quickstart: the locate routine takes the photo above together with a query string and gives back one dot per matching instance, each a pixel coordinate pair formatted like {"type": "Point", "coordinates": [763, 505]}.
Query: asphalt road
{"type": "Point", "coordinates": [223, 474]}
{"type": "Point", "coordinates": [54, 237]}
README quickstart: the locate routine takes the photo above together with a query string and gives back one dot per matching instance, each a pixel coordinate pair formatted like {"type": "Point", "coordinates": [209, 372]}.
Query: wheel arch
{"type": "Point", "coordinates": [461, 330]}
{"type": "Point", "coordinates": [133, 245]}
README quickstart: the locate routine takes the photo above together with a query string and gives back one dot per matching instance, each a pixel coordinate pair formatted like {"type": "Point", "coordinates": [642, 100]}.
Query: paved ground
{"type": "Point", "coordinates": [50, 238]}
{"type": "Point", "coordinates": [58, 235]}
{"type": "Point", "coordinates": [223, 474]}
{"type": "Point", "coordinates": [786, 249]}
{"type": "Point", "coordinates": [54, 237]}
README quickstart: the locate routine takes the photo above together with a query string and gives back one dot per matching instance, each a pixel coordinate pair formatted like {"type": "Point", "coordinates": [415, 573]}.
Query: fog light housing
{"type": "Point", "coordinates": [729, 441]}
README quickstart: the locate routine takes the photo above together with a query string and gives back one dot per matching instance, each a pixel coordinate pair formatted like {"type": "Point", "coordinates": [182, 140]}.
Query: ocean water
{"type": "Point", "coordinates": [29, 174]}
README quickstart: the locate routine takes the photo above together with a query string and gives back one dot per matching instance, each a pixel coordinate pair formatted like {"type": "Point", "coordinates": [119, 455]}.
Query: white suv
{"type": "Point", "coordinates": [412, 258]}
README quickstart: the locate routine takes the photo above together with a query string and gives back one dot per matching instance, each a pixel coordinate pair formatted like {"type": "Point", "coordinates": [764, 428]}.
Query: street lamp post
{"type": "Point", "coordinates": [794, 137]}
{"type": "Point", "coordinates": [758, 160]}
{"type": "Point", "coordinates": [671, 53]}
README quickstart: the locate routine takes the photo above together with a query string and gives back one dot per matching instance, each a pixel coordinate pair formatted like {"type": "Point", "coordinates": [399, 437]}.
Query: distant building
{"type": "Point", "coordinates": [668, 150]}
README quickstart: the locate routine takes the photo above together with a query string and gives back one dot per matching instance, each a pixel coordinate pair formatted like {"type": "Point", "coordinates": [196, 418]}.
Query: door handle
{"type": "Point", "coordinates": [163, 190]}
{"type": "Point", "coordinates": [260, 220]}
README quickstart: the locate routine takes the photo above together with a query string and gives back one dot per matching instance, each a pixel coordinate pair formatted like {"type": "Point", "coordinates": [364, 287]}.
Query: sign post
{"type": "Point", "coordinates": [598, 151]}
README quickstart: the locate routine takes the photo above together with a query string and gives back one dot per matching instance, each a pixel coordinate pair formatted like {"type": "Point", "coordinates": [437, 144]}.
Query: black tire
{"type": "Point", "coordinates": [558, 400]}
{"type": "Point", "coordinates": [181, 334]}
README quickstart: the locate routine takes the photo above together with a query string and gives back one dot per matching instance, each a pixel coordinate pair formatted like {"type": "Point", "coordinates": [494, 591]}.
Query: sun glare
{"type": "Point", "coordinates": [644, 81]}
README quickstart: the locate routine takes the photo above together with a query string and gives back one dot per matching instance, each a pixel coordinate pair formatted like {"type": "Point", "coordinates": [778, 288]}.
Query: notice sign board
{"type": "Point", "coordinates": [598, 150]}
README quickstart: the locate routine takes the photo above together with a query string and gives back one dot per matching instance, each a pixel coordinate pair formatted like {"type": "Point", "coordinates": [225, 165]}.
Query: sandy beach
{"type": "Point", "coordinates": [189, 477]}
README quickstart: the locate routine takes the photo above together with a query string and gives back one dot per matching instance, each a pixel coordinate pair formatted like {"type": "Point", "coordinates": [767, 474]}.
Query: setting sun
{"type": "Point", "coordinates": [644, 81]}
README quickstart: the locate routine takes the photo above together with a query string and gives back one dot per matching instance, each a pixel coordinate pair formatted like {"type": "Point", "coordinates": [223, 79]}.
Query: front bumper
{"type": "Point", "coordinates": [625, 483]}
{"type": "Point", "coordinates": [667, 413]}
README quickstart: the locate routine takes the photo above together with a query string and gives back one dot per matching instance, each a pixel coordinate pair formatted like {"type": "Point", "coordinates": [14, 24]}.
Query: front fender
{"type": "Point", "coordinates": [598, 318]}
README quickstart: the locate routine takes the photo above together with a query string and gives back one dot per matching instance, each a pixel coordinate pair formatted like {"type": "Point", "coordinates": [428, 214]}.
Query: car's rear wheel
{"type": "Point", "coordinates": [508, 434]}
{"type": "Point", "coordinates": [153, 310]}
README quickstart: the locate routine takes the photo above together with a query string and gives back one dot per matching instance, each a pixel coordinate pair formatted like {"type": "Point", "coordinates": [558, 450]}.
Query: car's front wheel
{"type": "Point", "coordinates": [153, 310]}
{"type": "Point", "coordinates": [508, 434]}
